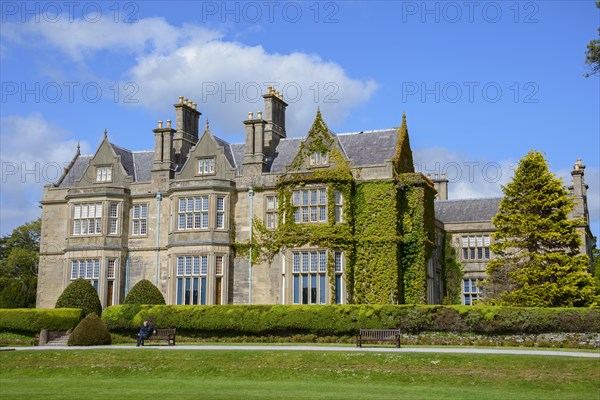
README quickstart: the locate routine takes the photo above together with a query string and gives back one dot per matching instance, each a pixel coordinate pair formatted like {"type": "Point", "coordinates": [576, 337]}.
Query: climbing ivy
{"type": "Point", "coordinates": [387, 229]}
{"type": "Point", "coordinates": [452, 272]}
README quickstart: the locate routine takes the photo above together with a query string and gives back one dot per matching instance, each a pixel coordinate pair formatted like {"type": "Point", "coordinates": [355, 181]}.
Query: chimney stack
{"type": "Point", "coordinates": [186, 128]}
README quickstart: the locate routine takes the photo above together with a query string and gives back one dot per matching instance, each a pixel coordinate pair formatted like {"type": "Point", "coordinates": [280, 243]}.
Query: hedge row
{"type": "Point", "coordinates": [348, 319]}
{"type": "Point", "coordinates": [35, 320]}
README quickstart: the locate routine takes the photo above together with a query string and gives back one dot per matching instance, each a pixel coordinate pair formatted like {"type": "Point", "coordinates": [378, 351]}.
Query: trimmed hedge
{"type": "Point", "coordinates": [340, 320]}
{"type": "Point", "coordinates": [35, 320]}
{"type": "Point", "coordinates": [91, 331]}
{"type": "Point", "coordinates": [144, 292]}
{"type": "Point", "coordinates": [80, 294]}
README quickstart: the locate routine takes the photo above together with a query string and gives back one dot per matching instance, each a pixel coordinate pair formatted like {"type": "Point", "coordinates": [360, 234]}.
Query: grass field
{"type": "Point", "coordinates": [183, 374]}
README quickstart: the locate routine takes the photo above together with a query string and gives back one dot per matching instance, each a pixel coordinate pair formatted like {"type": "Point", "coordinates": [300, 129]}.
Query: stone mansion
{"type": "Point", "coordinates": [327, 218]}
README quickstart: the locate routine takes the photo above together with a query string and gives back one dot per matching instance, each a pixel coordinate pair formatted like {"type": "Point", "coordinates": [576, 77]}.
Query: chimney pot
{"type": "Point", "coordinates": [195, 105]}
{"type": "Point", "coordinates": [168, 123]}
{"type": "Point", "coordinates": [259, 115]}
{"type": "Point", "coordinates": [436, 176]}
{"type": "Point", "coordinates": [160, 123]}
{"type": "Point", "coordinates": [180, 99]}
{"type": "Point", "coordinates": [250, 115]}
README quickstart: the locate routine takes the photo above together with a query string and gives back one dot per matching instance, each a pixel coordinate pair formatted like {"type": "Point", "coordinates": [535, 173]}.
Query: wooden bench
{"type": "Point", "coordinates": [163, 334]}
{"type": "Point", "coordinates": [378, 335]}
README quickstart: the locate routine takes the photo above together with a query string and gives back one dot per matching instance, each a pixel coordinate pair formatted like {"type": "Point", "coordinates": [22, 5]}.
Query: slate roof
{"type": "Point", "coordinates": [75, 172]}
{"type": "Point", "coordinates": [126, 159]}
{"type": "Point", "coordinates": [369, 147]}
{"type": "Point", "coordinates": [468, 210]}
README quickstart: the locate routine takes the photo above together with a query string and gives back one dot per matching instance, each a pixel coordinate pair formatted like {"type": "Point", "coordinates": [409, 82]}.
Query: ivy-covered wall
{"type": "Point", "coordinates": [377, 275]}
{"type": "Point", "coordinates": [387, 228]}
{"type": "Point", "coordinates": [416, 225]}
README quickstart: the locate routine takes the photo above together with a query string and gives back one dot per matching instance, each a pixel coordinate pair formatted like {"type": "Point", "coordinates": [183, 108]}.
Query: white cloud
{"type": "Point", "coordinates": [225, 78]}
{"type": "Point", "coordinates": [469, 177]}
{"type": "Point", "coordinates": [80, 38]}
{"type": "Point", "coordinates": [33, 154]}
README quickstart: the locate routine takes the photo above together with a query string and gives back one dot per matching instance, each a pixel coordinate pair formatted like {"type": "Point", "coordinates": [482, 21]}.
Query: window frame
{"type": "Point", "coordinates": [142, 220]}
{"type": "Point", "coordinates": [104, 173]}
{"type": "Point", "coordinates": [206, 166]}
{"type": "Point", "coordinates": [84, 218]}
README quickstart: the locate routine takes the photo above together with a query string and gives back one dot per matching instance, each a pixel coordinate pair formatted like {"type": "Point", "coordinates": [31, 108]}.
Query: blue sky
{"type": "Point", "coordinates": [481, 82]}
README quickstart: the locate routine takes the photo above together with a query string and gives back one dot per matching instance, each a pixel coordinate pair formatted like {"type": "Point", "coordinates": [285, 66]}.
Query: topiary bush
{"type": "Point", "coordinates": [91, 331]}
{"type": "Point", "coordinates": [80, 294]}
{"type": "Point", "coordinates": [144, 292]}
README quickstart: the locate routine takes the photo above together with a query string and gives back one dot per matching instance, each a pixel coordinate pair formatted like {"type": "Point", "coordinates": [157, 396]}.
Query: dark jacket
{"type": "Point", "coordinates": [146, 331]}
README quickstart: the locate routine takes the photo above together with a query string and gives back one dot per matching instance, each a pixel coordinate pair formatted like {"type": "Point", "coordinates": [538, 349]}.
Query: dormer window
{"type": "Point", "coordinates": [319, 158]}
{"type": "Point", "coordinates": [104, 174]}
{"type": "Point", "coordinates": [206, 166]}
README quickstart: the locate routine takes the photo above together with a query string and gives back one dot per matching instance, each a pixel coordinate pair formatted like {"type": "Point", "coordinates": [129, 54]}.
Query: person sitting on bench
{"type": "Point", "coordinates": [145, 332]}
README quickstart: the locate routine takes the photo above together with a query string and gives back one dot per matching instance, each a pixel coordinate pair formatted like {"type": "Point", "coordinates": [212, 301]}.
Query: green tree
{"type": "Point", "coordinates": [592, 54]}
{"type": "Point", "coordinates": [536, 245]}
{"type": "Point", "coordinates": [19, 256]}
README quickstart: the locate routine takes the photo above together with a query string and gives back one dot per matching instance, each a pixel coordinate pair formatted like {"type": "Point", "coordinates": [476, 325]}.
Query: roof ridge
{"type": "Point", "coordinates": [122, 148]}
{"type": "Point", "coordinates": [369, 131]}
{"type": "Point", "coordinates": [469, 199]}
{"type": "Point", "coordinates": [134, 167]}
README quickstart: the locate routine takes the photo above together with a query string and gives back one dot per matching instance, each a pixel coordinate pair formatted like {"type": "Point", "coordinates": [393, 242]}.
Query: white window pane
{"type": "Point", "coordinates": [479, 241]}
{"type": "Point", "coordinates": [304, 262]}
{"type": "Point", "coordinates": [98, 210]}
{"type": "Point", "coordinates": [74, 268]}
{"type": "Point", "coordinates": [188, 265]}
{"type": "Point", "coordinates": [465, 242]}
{"type": "Point", "coordinates": [143, 227]}
{"type": "Point", "coordinates": [180, 262]}
{"type": "Point", "coordinates": [471, 242]}
{"type": "Point", "coordinates": [181, 205]}
{"type": "Point", "coordinates": [136, 211]}
{"type": "Point", "coordinates": [84, 211]}
{"type": "Point", "coordinates": [322, 196]}
{"type": "Point", "coordinates": [486, 240]}
{"type": "Point", "coordinates": [203, 265]}
{"type": "Point", "coordinates": [196, 270]}
{"type": "Point", "coordinates": [205, 203]}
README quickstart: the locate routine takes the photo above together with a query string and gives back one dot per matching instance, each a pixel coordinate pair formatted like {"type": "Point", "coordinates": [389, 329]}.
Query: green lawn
{"type": "Point", "coordinates": [117, 374]}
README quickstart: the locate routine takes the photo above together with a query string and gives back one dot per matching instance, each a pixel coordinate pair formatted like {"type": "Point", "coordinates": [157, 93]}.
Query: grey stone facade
{"type": "Point", "coordinates": [172, 214]}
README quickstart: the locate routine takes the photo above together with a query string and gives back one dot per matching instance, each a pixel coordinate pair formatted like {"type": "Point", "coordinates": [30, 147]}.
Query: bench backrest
{"type": "Point", "coordinates": [163, 332]}
{"type": "Point", "coordinates": [380, 333]}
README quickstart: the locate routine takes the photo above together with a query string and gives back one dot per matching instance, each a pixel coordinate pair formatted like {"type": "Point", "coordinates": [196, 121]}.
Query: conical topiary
{"type": "Point", "coordinates": [80, 294]}
{"type": "Point", "coordinates": [91, 331]}
{"type": "Point", "coordinates": [144, 292]}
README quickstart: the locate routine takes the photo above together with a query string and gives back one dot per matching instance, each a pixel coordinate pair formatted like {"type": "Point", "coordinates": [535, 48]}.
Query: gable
{"type": "Point", "coordinates": [320, 149]}
{"type": "Point", "coordinates": [106, 167]}
{"type": "Point", "coordinates": [208, 159]}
